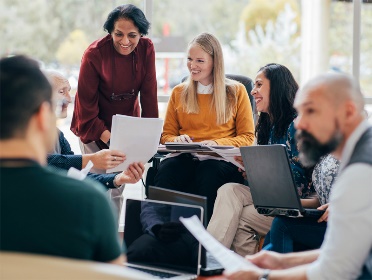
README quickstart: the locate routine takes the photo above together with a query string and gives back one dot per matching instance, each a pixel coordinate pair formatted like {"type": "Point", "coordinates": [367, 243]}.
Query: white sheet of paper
{"type": "Point", "coordinates": [229, 154]}
{"type": "Point", "coordinates": [80, 174]}
{"type": "Point", "coordinates": [230, 261]}
{"type": "Point", "coordinates": [138, 138]}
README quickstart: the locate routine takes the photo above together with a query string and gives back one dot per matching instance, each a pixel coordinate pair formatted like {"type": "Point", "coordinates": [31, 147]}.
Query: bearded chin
{"type": "Point", "coordinates": [311, 150]}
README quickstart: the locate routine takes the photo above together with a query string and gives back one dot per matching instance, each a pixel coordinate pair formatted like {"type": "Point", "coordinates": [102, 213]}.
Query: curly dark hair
{"type": "Point", "coordinates": [283, 89]}
{"type": "Point", "coordinates": [127, 11]}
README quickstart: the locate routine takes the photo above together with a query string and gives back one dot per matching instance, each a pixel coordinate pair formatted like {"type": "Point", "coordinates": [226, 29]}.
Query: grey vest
{"type": "Point", "coordinates": [363, 154]}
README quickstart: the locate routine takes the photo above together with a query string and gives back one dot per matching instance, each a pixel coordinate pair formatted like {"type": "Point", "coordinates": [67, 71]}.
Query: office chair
{"type": "Point", "coordinates": [248, 84]}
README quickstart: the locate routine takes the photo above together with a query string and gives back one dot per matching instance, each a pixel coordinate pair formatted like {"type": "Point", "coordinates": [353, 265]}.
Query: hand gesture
{"type": "Point", "coordinates": [132, 175]}
{"type": "Point", "coordinates": [266, 259]}
{"type": "Point", "coordinates": [240, 160]}
{"type": "Point", "coordinates": [184, 138]}
{"type": "Point", "coordinates": [106, 159]}
{"type": "Point", "coordinates": [324, 217]}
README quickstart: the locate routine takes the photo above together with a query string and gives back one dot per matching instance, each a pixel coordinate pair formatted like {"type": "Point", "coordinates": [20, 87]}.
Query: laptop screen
{"type": "Point", "coordinates": [270, 176]}
{"type": "Point", "coordinates": [156, 193]}
{"type": "Point", "coordinates": [156, 238]}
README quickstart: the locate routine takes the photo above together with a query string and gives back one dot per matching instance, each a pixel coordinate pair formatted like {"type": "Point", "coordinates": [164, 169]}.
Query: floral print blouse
{"type": "Point", "coordinates": [324, 175]}
{"type": "Point", "coordinates": [303, 181]}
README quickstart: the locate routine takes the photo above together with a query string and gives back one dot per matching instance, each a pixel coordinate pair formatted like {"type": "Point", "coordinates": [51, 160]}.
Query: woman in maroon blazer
{"type": "Point", "coordinates": [114, 70]}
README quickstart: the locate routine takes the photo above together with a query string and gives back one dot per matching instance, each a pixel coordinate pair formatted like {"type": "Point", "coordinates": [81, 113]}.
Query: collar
{"type": "Point", "coordinates": [202, 89]}
{"type": "Point", "coordinates": [351, 142]}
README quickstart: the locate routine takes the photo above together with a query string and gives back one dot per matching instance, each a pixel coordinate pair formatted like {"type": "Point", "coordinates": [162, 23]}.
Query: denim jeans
{"type": "Point", "coordinates": [294, 234]}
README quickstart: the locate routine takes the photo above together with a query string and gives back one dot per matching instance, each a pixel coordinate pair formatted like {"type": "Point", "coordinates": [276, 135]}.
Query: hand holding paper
{"type": "Point", "coordinates": [137, 138]}
{"type": "Point", "coordinates": [229, 260]}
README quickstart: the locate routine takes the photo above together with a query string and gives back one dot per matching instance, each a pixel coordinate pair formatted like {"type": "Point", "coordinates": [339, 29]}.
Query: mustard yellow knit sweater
{"type": "Point", "coordinates": [238, 131]}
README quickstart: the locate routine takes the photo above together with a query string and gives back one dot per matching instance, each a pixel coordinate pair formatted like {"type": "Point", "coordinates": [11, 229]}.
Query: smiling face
{"type": "Point", "coordinates": [261, 92]}
{"type": "Point", "coordinates": [200, 65]}
{"type": "Point", "coordinates": [125, 36]}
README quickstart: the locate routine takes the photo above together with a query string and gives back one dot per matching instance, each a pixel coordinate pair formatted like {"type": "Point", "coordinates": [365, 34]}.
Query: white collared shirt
{"type": "Point", "coordinates": [348, 239]}
{"type": "Point", "coordinates": [202, 89]}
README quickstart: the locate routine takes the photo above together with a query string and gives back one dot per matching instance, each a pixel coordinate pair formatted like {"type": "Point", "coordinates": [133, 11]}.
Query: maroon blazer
{"type": "Point", "coordinates": [103, 72]}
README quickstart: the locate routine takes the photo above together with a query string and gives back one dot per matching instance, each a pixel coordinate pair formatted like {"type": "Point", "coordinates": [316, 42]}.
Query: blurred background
{"type": "Point", "coordinates": [308, 36]}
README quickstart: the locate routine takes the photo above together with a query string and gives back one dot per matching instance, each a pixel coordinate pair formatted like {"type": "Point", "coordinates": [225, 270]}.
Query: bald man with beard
{"type": "Point", "coordinates": [331, 118]}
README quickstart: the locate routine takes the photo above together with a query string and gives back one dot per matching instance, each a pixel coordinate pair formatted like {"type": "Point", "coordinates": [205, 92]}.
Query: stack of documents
{"type": "Point", "coordinates": [226, 152]}
{"type": "Point", "coordinates": [138, 138]}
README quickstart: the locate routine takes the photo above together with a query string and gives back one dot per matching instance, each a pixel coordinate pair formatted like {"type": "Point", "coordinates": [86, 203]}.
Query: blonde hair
{"type": "Point", "coordinates": [224, 90]}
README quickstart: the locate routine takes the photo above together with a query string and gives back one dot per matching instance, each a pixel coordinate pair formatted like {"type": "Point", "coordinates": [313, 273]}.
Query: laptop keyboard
{"type": "Point", "coordinates": [159, 274]}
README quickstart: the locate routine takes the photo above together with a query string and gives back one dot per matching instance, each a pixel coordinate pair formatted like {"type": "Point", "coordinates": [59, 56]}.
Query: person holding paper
{"type": "Point", "coordinates": [210, 109]}
{"type": "Point", "coordinates": [331, 120]}
{"type": "Point", "coordinates": [114, 69]}
{"type": "Point", "coordinates": [64, 158]}
{"type": "Point", "coordinates": [43, 211]}
{"type": "Point", "coordinates": [235, 221]}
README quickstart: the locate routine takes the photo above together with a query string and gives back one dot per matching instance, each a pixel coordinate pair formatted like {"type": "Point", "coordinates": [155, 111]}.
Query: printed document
{"type": "Point", "coordinates": [137, 137]}
{"type": "Point", "coordinates": [80, 174]}
{"type": "Point", "coordinates": [226, 152]}
{"type": "Point", "coordinates": [230, 261]}
{"type": "Point", "coordinates": [229, 154]}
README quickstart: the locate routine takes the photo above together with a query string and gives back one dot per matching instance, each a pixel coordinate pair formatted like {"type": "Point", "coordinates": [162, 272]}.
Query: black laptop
{"type": "Point", "coordinates": [271, 182]}
{"type": "Point", "coordinates": [209, 265]}
{"type": "Point", "coordinates": [157, 242]}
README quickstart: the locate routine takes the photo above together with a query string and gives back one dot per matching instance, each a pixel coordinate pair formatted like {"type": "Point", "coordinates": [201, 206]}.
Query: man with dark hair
{"type": "Point", "coordinates": [42, 211]}
{"type": "Point", "coordinates": [331, 118]}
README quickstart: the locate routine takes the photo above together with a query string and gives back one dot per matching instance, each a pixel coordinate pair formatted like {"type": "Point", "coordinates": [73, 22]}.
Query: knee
{"type": "Point", "coordinates": [231, 190]}
{"type": "Point", "coordinates": [225, 189]}
{"type": "Point", "coordinates": [278, 224]}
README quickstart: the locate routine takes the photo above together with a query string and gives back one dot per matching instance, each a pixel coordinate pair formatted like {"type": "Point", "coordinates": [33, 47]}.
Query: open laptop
{"type": "Point", "coordinates": [157, 242]}
{"type": "Point", "coordinates": [271, 182]}
{"type": "Point", "coordinates": [209, 265]}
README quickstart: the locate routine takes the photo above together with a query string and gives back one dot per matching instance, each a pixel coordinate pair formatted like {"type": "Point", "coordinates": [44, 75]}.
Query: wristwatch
{"type": "Point", "coordinates": [265, 275]}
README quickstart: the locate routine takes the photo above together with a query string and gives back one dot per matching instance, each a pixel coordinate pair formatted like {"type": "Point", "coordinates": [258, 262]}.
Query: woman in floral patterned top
{"type": "Point", "coordinates": [235, 221]}
{"type": "Point", "coordinates": [288, 234]}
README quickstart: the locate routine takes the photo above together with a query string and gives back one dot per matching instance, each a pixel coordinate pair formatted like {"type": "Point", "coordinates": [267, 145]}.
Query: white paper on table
{"type": "Point", "coordinates": [137, 137]}
{"type": "Point", "coordinates": [80, 174]}
{"type": "Point", "coordinates": [229, 154]}
{"type": "Point", "coordinates": [230, 261]}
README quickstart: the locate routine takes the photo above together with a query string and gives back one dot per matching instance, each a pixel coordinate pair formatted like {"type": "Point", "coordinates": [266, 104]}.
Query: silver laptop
{"type": "Point", "coordinates": [157, 242]}
{"type": "Point", "coordinates": [209, 265]}
{"type": "Point", "coordinates": [271, 182]}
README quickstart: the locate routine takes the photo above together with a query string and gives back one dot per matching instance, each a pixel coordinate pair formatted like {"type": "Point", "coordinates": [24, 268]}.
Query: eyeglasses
{"type": "Point", "coordinates": [122, 96]}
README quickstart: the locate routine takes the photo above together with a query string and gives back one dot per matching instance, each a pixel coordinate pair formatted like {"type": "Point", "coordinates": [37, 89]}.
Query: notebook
{"type": "Point", "coordinates": [271, 182]}
{"type": "Point", "coordinates": [157, 242]}
{"type": "Point", "coordinates": [193, 146]}
{"type": "Point", "coordinates": [209, 265]}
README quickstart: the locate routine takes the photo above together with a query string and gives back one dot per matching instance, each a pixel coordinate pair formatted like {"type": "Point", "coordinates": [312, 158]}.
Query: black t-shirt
{"type": "Point", "coordinates": [48, 213]}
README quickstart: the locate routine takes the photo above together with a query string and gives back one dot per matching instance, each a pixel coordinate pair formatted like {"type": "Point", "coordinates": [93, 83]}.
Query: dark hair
{"type": "Point", "coordinates": [127, 11]}
{"type": "Point", "coordinates": [23, 88]}
{"type": "Point", "coordinates": [283, 89]}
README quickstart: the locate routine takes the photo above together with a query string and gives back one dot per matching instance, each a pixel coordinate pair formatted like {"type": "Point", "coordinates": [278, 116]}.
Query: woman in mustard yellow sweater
{"type": "Point", "coordinates": [207, 108]}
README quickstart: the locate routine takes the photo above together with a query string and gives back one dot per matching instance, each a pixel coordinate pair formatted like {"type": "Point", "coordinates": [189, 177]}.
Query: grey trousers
{"type": "Point", "coordinates": [116, 195]}
{"type": "Point", "coordinates": [235, 222]}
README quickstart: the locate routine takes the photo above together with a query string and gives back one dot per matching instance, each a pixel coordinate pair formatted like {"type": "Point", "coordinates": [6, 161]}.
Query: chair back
{"type": "Point", "coordinates": [32, 266]}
